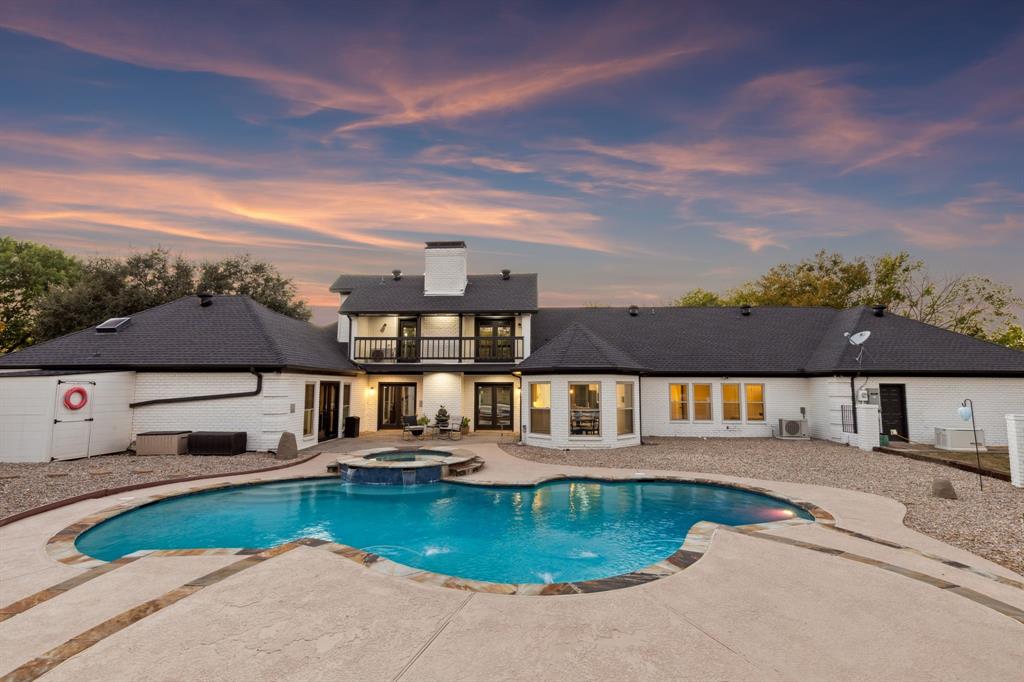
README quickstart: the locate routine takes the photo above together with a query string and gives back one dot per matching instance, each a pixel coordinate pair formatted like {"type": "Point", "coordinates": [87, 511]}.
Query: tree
{"type": "Point", "coordinates": [28, 271]}
{"type": "Point", "coordinates": [259, 280]}
{"type": "Point", "coordinates": [968, 304]}
{"type": "Point", "coordinates": [112, 287]}
{"type": "Point", "coordinates": [699, 298]}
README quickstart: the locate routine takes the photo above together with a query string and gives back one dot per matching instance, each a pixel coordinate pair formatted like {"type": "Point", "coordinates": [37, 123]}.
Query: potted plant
{"type": "Point", "coordinates": [423, 421]}
{"type": "Point", "coordinates": [465, 425]}
{"type": "Point", "coordinates": [442, 417]}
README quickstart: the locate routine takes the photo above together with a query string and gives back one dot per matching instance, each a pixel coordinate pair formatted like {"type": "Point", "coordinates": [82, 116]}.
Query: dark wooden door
{"type": "Point", "coordinates": [495, 339]}
{"type": "Point", "coordinates": [493, 408]}
{"type": "Point", "coordinates": [328, 420]}
{"type": "Point", "coordinates": [892, 400]}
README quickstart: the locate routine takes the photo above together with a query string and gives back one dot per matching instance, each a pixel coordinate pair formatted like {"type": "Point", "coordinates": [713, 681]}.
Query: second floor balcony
{"type": "Point", "coordinates": [438, 348]}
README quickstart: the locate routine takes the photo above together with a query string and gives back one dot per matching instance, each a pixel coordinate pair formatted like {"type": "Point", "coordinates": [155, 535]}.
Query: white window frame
{"type": "Point", "coordinates": [688, 403]}
{"type": "Point", "coordinates": [311, 410]}
{"type": "Point", "coordinates": [631, 409]}
{"type": "Point", "coordinates": [764, 403]}
{"type": "Point", "coordinates": [710, 403]}
{"type": "Point", "coordinates": [568, 396]}
{"type": "Point", "coordinates": [529, 398]}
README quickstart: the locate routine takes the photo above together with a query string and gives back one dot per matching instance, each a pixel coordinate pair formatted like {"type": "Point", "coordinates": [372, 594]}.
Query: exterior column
{"type": "Point", "coordinates": [1015, 438]}
{"type": "Point", "coordinates": [866, 437]}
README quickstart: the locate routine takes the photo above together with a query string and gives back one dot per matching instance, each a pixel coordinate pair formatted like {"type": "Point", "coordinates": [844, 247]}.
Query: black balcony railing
{"type": "Point", "coordinates": [429, 348]}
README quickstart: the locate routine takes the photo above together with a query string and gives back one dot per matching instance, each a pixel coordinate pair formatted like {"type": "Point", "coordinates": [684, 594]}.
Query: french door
{"type": "Point", "coordinates": [495, 340]}
{"type": "Point", "coordinates": [395, 401]}
{"type": "Point", "coordinates": [328, 413]}
{"type": "Point", "coordinates": [408, 333]}
{"type": "Point", "coordinates": [493, 406]}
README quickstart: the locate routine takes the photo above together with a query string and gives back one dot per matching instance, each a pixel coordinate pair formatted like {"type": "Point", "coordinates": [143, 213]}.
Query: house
{"type": "Point", "coordinates": [480, 346]}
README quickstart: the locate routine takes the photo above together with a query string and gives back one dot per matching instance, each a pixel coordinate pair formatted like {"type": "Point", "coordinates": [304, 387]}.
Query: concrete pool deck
{"type": "Point", "coordinates": [805, 601]}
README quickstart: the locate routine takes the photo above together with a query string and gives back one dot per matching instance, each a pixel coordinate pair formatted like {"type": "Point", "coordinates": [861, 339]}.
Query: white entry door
{"type": "Point", "coordinates": [72, 419]}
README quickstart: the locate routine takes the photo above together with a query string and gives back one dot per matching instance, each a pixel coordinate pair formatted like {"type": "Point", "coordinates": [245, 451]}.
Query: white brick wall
{"type": "Point", "coordinates": [442, 388]}
{"type": "Point", "coordinates": [559, 437]}
{"type": "Point", "coordinates": [264, 417]}
{"type": "Point", "coordinates": [783, 399]}
{"type": "Point", "coordinates": [827, 395]}
{"type": "Point", "coordinates": [445, 272]}
{"type": "Point", "coordinates": [933, 401]}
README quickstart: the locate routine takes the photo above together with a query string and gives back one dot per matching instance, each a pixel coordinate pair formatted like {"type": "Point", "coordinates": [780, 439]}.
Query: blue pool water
{"type": "Point", "coordinates": [555, 532]}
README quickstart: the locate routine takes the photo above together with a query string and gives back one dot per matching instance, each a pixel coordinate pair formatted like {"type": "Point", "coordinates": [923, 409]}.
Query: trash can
{"type": "Point", "coordinates": [351, 427]}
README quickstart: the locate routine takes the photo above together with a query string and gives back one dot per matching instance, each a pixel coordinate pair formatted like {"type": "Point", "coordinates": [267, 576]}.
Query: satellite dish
{"type": "Point", "coordinates": [859, 338]}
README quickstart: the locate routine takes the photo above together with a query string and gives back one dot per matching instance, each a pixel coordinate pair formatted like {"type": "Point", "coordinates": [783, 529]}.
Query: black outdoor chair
{"type": "Point", "coordinates": [411, 428]}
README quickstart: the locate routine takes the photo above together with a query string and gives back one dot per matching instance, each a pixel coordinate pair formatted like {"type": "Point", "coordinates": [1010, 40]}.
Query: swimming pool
{"type": "Point", "coordinates": [560, 531]}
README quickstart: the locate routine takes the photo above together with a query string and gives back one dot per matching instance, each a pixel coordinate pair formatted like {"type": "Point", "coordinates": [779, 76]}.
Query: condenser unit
{"type": "Point", "coordinates": [793, 428]}
{"type": "Point", "coordinates": [958, 439]}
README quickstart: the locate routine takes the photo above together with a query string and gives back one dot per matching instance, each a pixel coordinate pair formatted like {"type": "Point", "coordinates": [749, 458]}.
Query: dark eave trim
{"type": "Point", "coordinates": [507, 311]}
{"type": "Point", "coordinates": [189, 368]}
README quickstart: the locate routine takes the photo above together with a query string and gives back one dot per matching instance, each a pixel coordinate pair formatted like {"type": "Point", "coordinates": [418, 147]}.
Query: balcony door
{"type": "Point", "coordinates": [493, 406]}
{"type": "Point", "coordinates": [395, 401]}
{"type": "Point", "coordinates": [408, 331]}
{"type": "Point", "coordinates": [495, 339]}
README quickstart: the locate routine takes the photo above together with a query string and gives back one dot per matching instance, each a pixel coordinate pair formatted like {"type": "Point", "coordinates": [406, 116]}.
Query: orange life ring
{"type": "Point", "coordinates": [69, 398]}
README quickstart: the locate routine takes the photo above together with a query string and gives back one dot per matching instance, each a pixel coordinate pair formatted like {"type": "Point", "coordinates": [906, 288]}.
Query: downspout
{"type": "Point", "coordinates": [853, 400]}
{"type": "Point", "coordinates": [196, 398]}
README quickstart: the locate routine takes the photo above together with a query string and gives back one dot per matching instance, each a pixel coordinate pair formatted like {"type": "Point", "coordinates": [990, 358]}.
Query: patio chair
{"type": "Point", "coordinates": [452, 430]}
{"type": "Point", "coordinates": [411, 428]}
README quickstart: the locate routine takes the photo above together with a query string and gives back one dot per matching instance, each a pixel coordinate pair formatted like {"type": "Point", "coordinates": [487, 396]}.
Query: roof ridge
{"type": "Point", "coordinates": [267, 336]}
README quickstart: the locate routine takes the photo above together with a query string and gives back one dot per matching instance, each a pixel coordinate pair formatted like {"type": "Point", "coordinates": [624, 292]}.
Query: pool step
{"type": "Point", "coordinates": [464, 468]}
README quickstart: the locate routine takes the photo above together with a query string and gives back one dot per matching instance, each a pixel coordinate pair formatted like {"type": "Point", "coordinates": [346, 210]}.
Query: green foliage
{"type": "Point", "coordinates": [699, 298]}
{"type": "Point", "coordinates": [423, 421]}
{"type": "Point", "coordinates": [28, 272]}
{"type": "Point", "coordinates": [87, 294]}
{"type": "Point", "coordinates": [258, 280]}
{"type": "Point", "coordinates": [968, 304]}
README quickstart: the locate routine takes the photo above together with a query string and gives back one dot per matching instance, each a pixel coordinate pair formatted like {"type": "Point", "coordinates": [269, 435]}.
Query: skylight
{"type": "Point", "coordinates": [113, 324]}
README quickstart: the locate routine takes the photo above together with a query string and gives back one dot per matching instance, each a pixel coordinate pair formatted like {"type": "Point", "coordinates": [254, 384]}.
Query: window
{"type": "Point", "coordinates": [731, 402]}
{"type": "Point", "coordinates": [678, 402]}
{"type": "Point", "coordinates": [755, 402]}
{"type": "Point", "coordinates": [540, 408]}
{"type": "Point", "coordinates": [307, 410]}
{"type": "Point", "coordinates": [702, 402]}
{"type": "Point", "coordinates": [584, 409]}
{"type": "Point", "coordinates": [624, 407]}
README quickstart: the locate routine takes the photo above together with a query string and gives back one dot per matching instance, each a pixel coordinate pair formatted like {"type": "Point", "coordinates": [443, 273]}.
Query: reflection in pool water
{"type": "Point", "coordinates": [555, 532]}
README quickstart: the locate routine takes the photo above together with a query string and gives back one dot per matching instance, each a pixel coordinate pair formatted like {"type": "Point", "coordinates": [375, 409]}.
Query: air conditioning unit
{"type": "Point", "coordinates": [958, 439]}
{"type": "Point", "coordinates": [793, 428]}
{"type": "Point", "coordinates": [377, 355]}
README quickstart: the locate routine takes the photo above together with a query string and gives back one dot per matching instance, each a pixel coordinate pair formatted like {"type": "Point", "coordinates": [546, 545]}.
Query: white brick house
{"type": "Point", "coordinates": [479, 345]}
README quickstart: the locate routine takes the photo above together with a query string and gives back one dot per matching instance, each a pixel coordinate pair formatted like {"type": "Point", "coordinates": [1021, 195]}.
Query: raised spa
{"type": "Point", "coordinates": [390, 466]}
{"type": "Point", "coordinates": [561, 531]}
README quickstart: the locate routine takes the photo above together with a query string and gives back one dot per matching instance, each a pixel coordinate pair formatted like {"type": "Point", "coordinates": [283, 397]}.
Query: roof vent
{"type": "Point", "coordinates": [396, 274]}
{"type": "Point", "coordinates": [506, 273]}
{"type": "Point", "coordinates": [205, 300]}
{"type": "Point", "coordinates": [879, 310]}
{"type": "Point", "coordinates": [745, 310]}
{"type": "Point", "coordinates": [634, 310]}
{"type": "Point", "coordinates": [113, 325]}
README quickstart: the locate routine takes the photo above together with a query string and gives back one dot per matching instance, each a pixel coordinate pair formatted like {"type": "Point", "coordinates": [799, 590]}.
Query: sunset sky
{"type": "Point", "coordinates": [627, 152]}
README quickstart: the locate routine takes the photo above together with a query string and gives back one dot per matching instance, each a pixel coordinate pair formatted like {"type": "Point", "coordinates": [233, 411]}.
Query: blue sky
{"type": "Point", "coordinates": [625, 151]}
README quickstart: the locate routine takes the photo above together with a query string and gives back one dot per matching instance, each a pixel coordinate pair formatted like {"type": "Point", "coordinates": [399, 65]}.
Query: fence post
{"type": "Point", "coordinates": [1015, 439]}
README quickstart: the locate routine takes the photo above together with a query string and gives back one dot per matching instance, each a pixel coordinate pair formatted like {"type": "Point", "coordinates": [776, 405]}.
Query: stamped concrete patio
{"type": "Point", "coordinates": [868, 598]}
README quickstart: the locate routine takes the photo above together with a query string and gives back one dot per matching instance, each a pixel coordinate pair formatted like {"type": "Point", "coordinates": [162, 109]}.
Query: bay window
{"type": "Point", "coordinates": [540, 408]}
{"type": "Point", "coordinates": [584, 409]}
{"type": "Point", "coordinates": [624, 407]}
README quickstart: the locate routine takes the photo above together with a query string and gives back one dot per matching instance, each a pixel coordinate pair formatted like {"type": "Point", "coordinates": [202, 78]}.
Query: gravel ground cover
{"type": "Point", "coordinates": [24, 486]}
{"type": "Point", "coordinates": [989, 523]}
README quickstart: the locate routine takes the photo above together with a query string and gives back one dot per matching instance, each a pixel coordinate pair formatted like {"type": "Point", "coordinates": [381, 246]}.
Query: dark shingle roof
{"type": "Point", "coordinates": [233, 332]}
{"type": "Point", "coordinates": [484, 294]}
{"type": "Point", "coordinates": [576, 348]}
{"type": "Point", "coordinates": [775, 341]}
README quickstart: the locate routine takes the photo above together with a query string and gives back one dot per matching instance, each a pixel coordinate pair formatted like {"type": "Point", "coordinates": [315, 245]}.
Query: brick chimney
{"type": "Point", "coordinates": [445, 273]}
